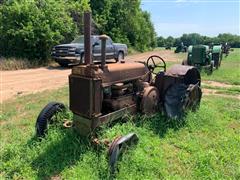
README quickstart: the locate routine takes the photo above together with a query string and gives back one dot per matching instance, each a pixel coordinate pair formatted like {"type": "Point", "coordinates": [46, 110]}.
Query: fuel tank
{"type": "Point", "coordinates": [113, 73]}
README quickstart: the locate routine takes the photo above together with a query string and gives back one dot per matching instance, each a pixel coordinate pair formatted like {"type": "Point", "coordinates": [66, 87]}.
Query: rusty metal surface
{"type": "Point", "coordinates": [178, 70]}
{"type": "Point", "coordinates": [113, 115]}
{"type": "Point", "coordinates": [87, 38]}
{"type": "Point", "coordinates": [115, 104]}
{"type": "Point", "coordinates": [193, 97]}
{"type": "Point", "coordinates": [150, 100]}
{"type": "Point", "coordinates": [103, 39]}
{"type": "Point", "coordinates": [154, 62]}
{"type": "Point", "coordinates": [118, 146]}
{"type": "Point", "coordinates": [85, 96]}
{"type": "Point", "coordinates": [103, 93]}
{"type": "Point", "coordinates": [114, 73]}
{"type": "Point", "coordinates": [190, 73]}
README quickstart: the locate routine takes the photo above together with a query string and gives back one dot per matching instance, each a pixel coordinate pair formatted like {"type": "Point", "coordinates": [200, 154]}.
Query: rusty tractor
{"type": "Point", "coordinates": [102, 93]}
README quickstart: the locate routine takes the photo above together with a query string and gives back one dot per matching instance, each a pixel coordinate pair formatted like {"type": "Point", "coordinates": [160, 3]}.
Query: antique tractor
{"type": "Point", "coordinates": [181, 48]}
{"type": "Point", "coordinates": [102, 93]}
{"type": "Point", "coordinates": [217, 55]}
{"type": "Point", "coordinates": [201, 56]}
{"type": "Point", "coordinates": [226, 48]}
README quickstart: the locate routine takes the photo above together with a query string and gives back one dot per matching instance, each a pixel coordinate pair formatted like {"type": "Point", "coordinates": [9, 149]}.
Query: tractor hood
{"type": "Point", "coordinates": [113, 73]}
{"type": "Point", "coordinates": [217, 49]}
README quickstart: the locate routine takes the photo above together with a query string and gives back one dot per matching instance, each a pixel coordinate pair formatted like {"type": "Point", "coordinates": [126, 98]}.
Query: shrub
{"type": "Point", "coordinates": [29, 28]}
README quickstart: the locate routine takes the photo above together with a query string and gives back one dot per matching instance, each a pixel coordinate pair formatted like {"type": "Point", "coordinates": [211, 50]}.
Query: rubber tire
{"type": "Point", "coordinates": [44, 118]}
{"type": "Point", "coordinates": [120, 54]}
{"type": "Point", "coordinates": [63, 64]}
{"type": "Point", "coordinates": [175, 98]}
{"type": "Point", "coordinates": [173, 103]}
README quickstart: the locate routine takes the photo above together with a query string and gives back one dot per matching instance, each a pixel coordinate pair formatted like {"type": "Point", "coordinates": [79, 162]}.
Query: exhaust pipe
{"type": "Point", "coordinates": [87, 38]}
{"type": "Point", "coordinates": [103, 39]}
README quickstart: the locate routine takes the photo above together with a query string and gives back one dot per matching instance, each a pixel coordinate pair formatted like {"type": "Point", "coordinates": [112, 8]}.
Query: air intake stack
{"type": "Point", "coordinates": [87, 38]}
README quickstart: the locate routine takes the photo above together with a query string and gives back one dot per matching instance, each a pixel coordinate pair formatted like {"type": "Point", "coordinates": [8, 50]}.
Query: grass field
{"type": "Point", "coordinates": [229, 71]}
{"type": "Point", "coordinates": [204, 145]}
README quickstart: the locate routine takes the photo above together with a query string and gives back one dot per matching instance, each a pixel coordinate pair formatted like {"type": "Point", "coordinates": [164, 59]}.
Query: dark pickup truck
{"type": "Point", "coordinates": [73, 53]}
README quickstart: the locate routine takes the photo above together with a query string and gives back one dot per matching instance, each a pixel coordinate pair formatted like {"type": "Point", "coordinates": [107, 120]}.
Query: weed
{"type": "Point", "coordinates": [202, 145]}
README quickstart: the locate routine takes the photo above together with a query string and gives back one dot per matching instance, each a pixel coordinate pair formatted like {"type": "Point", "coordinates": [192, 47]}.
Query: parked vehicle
{"type": "Point", "coordinates": [102, 94]}
{"type": "Point", "coordinates": [181, 48]}
{"type": "Point", "coordinates": [217, 55]}
{"type": "Point", "coordinates": [168, 47]}
{"type": "Point", "coordinates": [73, 53]}
{"type": "Point", "coordinates": [201, 56]}
{"type": "Point", "coordinates": [225, 49]}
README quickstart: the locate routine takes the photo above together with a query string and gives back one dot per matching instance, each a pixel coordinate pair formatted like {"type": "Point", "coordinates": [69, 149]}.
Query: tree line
{"type": "Point", "coordinates": [194, 38]}
{"type": "Point", "coordinates": [30, 28]}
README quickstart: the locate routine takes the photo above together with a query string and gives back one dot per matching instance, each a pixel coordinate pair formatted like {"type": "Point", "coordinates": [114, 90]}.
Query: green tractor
{"type": "Point", "coordinates": [201, 56]}
{"type": "Point", "coordinates": [181, 48]}
{"type": "Point", "coordinates": [217, 55]}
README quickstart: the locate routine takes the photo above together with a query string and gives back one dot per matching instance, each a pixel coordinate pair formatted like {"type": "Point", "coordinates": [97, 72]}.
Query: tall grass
{"type": "Point", "coordinates": [229, 71]}
{"type": "Point", "coordinates": [203, 145]}
{"type": "Point", "coordinates": [16, 64]}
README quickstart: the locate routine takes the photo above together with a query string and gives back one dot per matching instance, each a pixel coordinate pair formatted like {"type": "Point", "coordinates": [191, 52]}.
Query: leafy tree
{"type": "Point", "coordinates": [125, 22]}
{"type": "Point", "coordinates": [30, 28]}
{"type": "Point", "coordinates": [233, 40]}
{"type": "Point", "coordinates": [160, 41]}
{"type": "Point", "coordinates": [191, 39]}
{"type": "Point", "coordinates": [170, 41]}
{"type": "Point", "coordinates": [194, 38]}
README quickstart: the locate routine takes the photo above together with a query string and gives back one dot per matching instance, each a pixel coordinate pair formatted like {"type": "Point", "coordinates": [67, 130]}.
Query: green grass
{"type": "Point", "coordinates": [204, 145]}
{"type": "Point", "coordinates": [224, 90]}
{"type": "Point", "coordinates": [229, 72]}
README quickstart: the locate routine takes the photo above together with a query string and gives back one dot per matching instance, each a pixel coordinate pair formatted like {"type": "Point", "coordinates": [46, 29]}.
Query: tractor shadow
{"type": "Point", "coordinates": [51, 67]}
{"type": "Point", "coordinates": [160, 124]}
{"type": "Point", "coordinates": [56, 155]}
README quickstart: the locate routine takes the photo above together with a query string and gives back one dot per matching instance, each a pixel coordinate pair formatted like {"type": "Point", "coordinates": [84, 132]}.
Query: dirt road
{"type": "Point", "coordinates": [22, 82]}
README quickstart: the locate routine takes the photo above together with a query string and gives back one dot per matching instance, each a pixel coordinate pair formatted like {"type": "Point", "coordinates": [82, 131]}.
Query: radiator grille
{"type": "Point", "coordinates": [85, 96]}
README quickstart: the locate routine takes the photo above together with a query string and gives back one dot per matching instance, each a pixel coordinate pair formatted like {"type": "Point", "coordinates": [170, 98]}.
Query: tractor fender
{"type": "Point", "coordinates": [217, 49]}
{"type": "Point", "coordinates": [189, 74]}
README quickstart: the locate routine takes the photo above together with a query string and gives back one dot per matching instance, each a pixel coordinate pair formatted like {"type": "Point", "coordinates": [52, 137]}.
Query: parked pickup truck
{"type": "Point", "coordinates": [73, 53]}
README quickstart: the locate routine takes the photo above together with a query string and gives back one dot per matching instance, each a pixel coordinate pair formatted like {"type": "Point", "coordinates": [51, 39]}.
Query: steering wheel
{"type": "Point", "coordinates": [151, 63]}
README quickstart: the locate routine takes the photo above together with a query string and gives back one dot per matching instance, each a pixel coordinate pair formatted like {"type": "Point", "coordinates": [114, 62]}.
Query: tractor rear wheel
{"type": "Point", "coordinates": [180, 98]}
{"type": "Point", "coordinates": [46, 117]}
{"type": "Point", "coordinates": [63, 64]}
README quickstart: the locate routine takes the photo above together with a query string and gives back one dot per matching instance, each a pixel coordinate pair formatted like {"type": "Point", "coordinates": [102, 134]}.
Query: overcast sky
{"type": "Point", "coordinates": [207, 17]}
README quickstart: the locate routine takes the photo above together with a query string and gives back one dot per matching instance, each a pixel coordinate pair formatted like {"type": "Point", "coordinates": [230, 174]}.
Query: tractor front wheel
{"type": "Point", "coordinates": [210, 69]}
{"type": "Point", "coordinates": [46, 117]}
